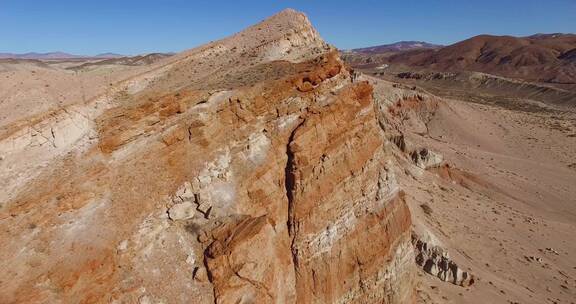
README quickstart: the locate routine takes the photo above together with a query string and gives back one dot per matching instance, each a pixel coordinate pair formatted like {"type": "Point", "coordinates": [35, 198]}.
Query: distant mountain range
{"type": "Point", "coordinates": [397, 47]}
{"type": "Point", "coordinates": [56, 55]}
{"type": "Point", "coordinates": [549, 58]}
{"type": "Point", "coordinates": [541, 57]}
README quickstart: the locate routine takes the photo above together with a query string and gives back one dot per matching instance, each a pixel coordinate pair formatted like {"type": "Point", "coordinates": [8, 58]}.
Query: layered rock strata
{"type": "Point", "coordinates": [260, 178]}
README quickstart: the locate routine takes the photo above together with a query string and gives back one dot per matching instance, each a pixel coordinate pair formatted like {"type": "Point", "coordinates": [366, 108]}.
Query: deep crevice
{"type": "Point", "coordinates": [290, 184]}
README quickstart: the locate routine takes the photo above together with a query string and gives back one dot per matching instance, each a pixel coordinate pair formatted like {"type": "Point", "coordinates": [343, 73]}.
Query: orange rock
{"type": "Point", "coordinates": [339, 225]}
{"type": "Point", "coordinates": [289, 160]}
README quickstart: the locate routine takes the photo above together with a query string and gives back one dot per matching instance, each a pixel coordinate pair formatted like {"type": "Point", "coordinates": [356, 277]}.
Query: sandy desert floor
{"type": "Point", "coordinates": [506, 205]}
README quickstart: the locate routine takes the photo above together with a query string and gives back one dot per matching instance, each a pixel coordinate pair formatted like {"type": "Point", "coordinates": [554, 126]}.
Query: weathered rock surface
{"type": "Point", "coordinates": [265, 135]}
{"type": "Point", "coordinates": [182, 211]}
{"type": "Point", "coordinates": [343, 213]}
{"type": "Point", "coordinates": [436, 261]}
{"type": "Point", "coordinates": [425, 158]}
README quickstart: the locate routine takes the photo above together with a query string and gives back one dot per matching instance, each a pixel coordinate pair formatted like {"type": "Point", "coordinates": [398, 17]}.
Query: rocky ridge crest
{"type": "Point", "coordinates": [252, 169]}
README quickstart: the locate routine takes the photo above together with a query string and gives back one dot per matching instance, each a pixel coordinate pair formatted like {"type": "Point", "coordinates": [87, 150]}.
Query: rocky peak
{"type": "Point", "coordinates": [240, 59]}
{"type": "Point", "coordinates": [288, 35]}
{"type": "Point", "coordinates": [289, 25]}
{"type": "Point", "coordinates": [251, 169]}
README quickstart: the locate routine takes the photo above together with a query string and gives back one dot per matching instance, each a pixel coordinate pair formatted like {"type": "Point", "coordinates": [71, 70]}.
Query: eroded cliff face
{"type": "Point", "coordinates": [345, 206]}
{"type": "Point", "coordinates": [265, 182]}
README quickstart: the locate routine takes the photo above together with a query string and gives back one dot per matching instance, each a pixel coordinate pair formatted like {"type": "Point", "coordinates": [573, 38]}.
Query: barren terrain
{"type": "Point", "coordinates": [261, 168]}
{"type": "Point", "coordinates": [502, 201]}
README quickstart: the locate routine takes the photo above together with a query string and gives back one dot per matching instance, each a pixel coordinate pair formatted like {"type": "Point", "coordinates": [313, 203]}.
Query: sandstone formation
{"type": "Point", "coordinates": [436, 261]}
{"type": "Point", "coordinates": [424, 158]}
{"type": "Point", "coordinates": [249, 170]}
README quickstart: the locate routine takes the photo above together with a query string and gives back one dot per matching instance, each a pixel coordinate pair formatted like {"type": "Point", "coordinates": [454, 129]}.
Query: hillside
{"type": "Point", "coordinates": [138, 60]}
{"type": "Point", "coordinates": [538, 58]}
{"type": "Point", "coordinates": [250, 169]}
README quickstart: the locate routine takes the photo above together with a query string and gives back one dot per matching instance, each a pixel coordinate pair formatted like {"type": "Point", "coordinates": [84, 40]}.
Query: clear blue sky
{"type": "Point", "coordinates": [132, 27]}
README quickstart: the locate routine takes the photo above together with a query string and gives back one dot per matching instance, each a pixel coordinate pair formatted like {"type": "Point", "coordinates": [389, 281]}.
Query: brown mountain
{"type": "Point", "coordinates": [542, 58]}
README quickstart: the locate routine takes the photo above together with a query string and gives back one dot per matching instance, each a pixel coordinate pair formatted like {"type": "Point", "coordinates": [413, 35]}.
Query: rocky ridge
{"type": "Point", "coordinates": [252, 169]}
{"type": "Point", "coordinates": [436, 261]}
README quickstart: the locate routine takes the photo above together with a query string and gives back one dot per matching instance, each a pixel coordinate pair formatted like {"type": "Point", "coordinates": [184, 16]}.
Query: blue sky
{"type": "Point", "coordinates": [133, 27]}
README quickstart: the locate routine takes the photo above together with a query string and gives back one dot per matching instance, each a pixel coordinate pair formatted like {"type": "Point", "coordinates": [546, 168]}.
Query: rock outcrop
{"type": "Point", "coordinates": [436, 261]}
{"type": "Point", "coordinates": [249, 170]}
{"type": "Point", "coordinates": [344, 206]}
{"type": "Point", "coordinates": [425, 158]}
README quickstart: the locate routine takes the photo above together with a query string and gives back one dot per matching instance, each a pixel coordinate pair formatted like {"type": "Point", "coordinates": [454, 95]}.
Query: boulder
{"type": "Point", "coordinates": [425, 158]}
{"type": "Point", "coordinates": [182, 211]}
